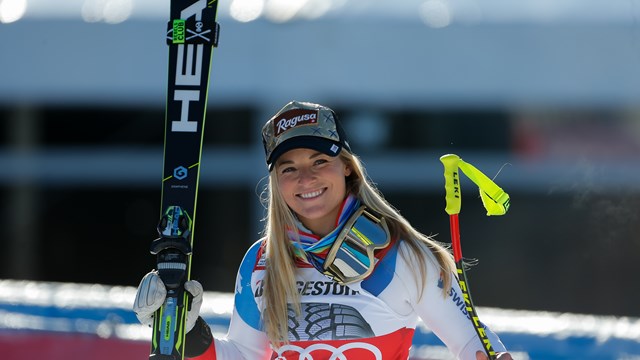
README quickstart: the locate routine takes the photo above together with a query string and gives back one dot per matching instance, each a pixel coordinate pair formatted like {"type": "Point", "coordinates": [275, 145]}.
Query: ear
{"type": "Point", "coordinates": [347, 170]}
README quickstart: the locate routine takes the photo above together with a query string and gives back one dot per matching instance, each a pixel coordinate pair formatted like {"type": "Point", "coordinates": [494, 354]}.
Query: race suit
{"type": "Point", "coordinates": [371, 319]}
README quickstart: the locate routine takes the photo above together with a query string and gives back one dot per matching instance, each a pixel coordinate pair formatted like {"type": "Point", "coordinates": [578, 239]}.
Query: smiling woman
{"type": "Point", "coordinates": [312, 184]}
{"type": "Point", "coordinates": [328, 227]}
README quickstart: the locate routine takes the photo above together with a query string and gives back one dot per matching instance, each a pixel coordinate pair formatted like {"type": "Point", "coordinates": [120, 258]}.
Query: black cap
{"type": "Point", "coordinates": [303, 125]}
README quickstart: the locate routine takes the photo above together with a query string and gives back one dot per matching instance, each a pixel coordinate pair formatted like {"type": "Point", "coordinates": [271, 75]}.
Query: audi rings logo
{"type": "Point", "coordinates": [336, 353]}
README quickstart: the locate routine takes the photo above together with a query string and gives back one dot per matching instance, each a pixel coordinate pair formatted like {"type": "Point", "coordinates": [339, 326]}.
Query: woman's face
{"type": "Point", "coordinates": [314, 186]}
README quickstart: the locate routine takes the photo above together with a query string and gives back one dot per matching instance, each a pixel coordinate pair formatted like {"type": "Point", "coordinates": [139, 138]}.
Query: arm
{"type": "Point", "coordinates": [244, 339]}
{"type": "Point", "coordinates": [444, 315]}
{"type": "Point", "coordinates": [241, 342]}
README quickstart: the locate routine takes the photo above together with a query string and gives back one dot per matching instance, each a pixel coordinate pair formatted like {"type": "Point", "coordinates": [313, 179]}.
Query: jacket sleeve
{"type": "Point", "coordinates": [241, 342]}
{"type": "Point", "coordinates": [444, 314]}
{"type": "Point", "coordinates": [245, 339]}
{"type": "Point", "coordinates": [199, 340]}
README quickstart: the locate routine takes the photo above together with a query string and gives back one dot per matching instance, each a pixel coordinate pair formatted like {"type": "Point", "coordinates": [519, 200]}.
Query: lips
{"type": "Point", "coordinates": [312, 194]}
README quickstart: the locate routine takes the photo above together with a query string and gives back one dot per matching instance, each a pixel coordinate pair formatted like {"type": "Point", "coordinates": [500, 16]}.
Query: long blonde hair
{"type": "Point", "coordinates": [280, 279]}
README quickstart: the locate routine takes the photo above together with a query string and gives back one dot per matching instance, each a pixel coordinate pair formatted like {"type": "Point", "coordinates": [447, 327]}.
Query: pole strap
{"type": "Point", "coordinates": [495, 200]}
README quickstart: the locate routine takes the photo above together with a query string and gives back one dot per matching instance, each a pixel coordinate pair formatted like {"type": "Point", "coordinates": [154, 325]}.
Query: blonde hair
{"type": "Point", "coordinates": [280, 283]}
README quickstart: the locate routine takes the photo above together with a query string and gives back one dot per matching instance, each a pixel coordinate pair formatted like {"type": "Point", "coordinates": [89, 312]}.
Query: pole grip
{"type": "Point", "coordinates": [452, 183]}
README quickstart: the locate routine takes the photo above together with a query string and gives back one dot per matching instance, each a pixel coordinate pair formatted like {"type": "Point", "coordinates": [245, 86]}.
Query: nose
{"type": "Point", "coordinates": [305, 175]}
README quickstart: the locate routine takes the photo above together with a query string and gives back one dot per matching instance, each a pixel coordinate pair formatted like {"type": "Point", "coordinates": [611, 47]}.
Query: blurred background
{"type": "Point", "coordinates": [544, 95]}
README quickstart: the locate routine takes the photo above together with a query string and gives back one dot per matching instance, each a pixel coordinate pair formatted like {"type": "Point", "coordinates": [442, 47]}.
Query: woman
{"type": "Point", "coordinates": [339, 273]}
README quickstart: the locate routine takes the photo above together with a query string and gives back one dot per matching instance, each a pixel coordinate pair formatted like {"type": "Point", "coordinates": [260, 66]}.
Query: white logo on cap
{"type": "Point", "coordinates": [298, 117]}
{"type": "Point", "coordinates": [334, 148]}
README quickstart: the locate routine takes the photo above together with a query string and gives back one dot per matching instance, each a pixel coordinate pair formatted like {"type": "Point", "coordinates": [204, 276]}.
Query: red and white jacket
{"type": "Point", "coordinates": [369, 320]}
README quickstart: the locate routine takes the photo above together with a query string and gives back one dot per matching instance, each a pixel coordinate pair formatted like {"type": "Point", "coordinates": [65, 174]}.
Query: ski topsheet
{"type": "Point", "coordinates": [191, 35]}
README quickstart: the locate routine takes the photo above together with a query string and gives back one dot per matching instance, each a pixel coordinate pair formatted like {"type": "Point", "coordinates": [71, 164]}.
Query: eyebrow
{"type": "Point", "coordinates": [314, 155]}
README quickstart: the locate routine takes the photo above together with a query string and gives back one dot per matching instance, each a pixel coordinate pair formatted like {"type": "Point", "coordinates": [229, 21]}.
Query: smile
{"type": "Point", "coordinates": [313, 194]}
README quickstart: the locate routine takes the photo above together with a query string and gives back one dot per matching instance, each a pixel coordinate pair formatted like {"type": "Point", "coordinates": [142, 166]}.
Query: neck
{"type": "Point", "coordinates": [325, 225]}
{"type": "Point", "coordinates": [319, 228]}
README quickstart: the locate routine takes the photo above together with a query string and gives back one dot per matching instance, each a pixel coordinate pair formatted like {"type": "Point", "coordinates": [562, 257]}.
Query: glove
{"type": "Point", "coordinates": [152, 293]}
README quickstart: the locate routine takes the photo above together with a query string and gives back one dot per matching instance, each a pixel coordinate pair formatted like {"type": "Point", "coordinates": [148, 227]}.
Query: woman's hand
{"type": "Point", "coordinates": [501, 356]}
{"type": "Point", "coordinates": [152, 293]}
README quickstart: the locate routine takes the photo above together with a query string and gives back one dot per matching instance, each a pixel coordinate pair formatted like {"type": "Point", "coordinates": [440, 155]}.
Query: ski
{"type": "Point", "coordinates": [192, 33]}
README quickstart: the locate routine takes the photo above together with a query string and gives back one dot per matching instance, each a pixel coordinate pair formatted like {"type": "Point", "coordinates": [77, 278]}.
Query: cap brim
{"type": "Point", "coordinates": [325, 146]}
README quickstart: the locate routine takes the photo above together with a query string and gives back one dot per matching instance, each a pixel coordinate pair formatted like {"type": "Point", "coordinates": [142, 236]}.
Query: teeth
{"type": "Point", "coordinates": [311, 194]}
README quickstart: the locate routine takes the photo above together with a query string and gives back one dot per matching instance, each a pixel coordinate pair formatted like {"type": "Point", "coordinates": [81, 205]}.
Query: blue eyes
{"type": "Point", "coordinates": [293, 168]}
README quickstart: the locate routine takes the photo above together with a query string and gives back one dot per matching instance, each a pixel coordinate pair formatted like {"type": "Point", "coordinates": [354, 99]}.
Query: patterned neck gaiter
{"type": "Point", "coordinates": [314, 249]}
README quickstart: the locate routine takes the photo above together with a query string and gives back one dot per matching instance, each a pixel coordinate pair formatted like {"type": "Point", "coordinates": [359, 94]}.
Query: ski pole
{"type": "Point", "coordinates": [496, 202]}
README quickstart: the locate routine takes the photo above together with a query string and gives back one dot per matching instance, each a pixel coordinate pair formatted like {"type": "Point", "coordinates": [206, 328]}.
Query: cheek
{"type": "Point", "coordinates": [341, 183]}
{"type": "Point", "coordinates": [283, 186]}
{"type": "Point", "coordinates": [286, 186]}
{"type": "Point", "coordinates": [287, 197]}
